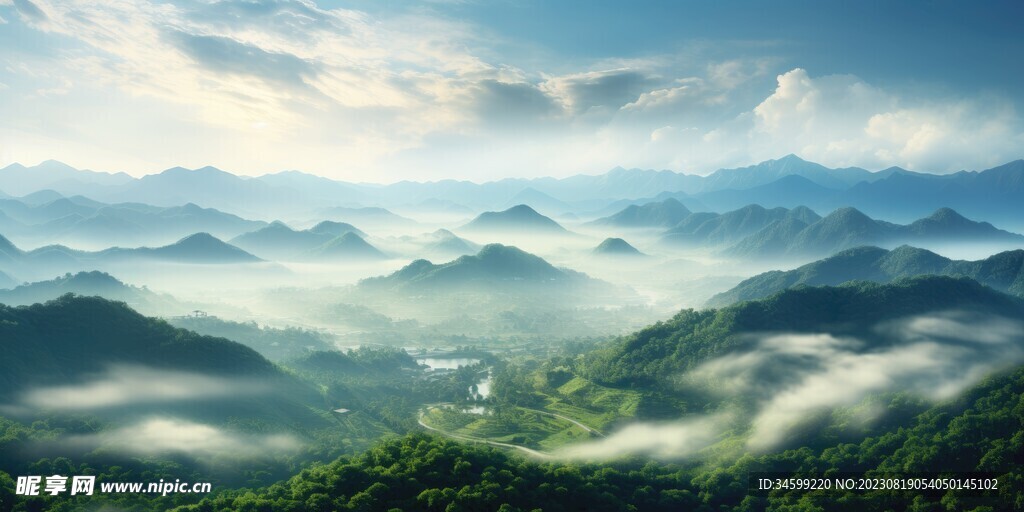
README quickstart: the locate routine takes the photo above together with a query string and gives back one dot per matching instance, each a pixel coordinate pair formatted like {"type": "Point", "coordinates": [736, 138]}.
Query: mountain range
{"type": "Point", "coordinates": [90, 284]}
{"type": "Point", "coordinates": [198, 248]}
{"type": "Point", "coordinates": [895, 194]}
{"type": "Point", "coordinates": [757, 232]}
{"type": "Point", "coordinates": [279, 241]}
{"type": "Point", "coordinates": [1003, 272]}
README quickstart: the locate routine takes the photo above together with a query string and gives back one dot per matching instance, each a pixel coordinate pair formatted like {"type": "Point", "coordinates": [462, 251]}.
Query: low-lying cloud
{"type": "Point", "coordinates": [788, 378]}
{"type": "Point", "coordinates": [160, 435]}
{"type": "Point", "coordinates": [125, 385]}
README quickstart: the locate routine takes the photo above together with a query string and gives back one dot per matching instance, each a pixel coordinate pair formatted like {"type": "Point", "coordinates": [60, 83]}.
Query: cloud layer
{"type": "Point", "coordinates": [789, 378]}
{"type": "Point", "coordinates": [264, 86]}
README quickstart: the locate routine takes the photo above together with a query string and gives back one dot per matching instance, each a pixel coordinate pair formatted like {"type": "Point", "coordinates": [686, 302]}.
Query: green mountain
{"type": "Point", "coordinates": [495, 264]}
{"type": "Point", "coordinates": [347, 247]}
{"type": "Point", "coordinates": [274, 344]}
{"type": "Point", "coordinates": [731, 227]}
{"type": "Point", "coordinates": [519, 219]}
{"type": "Point", "coordinates": [654, 355]}
{"type": "Point", "coordinates": [1003, 271]}
{"type": "Point", "coordinates": [197, 248]}
{"type": "Point", "coordinates": [616, 247]}
{"type": "Point", "coordinates": [664, 214]}
{"type": "Point", "coordinates": [849, 227]}
{"type": "Point", "coordinates": [99, 284]}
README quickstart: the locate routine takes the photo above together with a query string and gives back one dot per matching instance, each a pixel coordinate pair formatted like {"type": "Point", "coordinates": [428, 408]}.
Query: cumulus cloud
{"type": "Point", "coordinates": [160, 435]}
{"type": "Point", "coordinates": [132, 385]}
{"type": "Point", "coordinates": [784, 379]}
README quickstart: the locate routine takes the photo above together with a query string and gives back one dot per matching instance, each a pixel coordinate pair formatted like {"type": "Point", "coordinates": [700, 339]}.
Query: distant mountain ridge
{"type": "Point", "coordinates": [93, 283]}
{"type": "Point", "coordinates": [893, 193]}
{"type": "Point", "coordinates": [1003, 271]}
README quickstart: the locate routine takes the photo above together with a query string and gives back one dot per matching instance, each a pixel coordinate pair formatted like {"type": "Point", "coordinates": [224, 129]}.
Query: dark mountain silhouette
{"type": "Point", "coordinates": [1003, 271]}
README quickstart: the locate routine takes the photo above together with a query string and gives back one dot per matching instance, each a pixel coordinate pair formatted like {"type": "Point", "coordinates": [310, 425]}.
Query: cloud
{"type": "Point", "coordinates": [225, 55]}
{"type": "Point", "coordinates": [784, 379]}
{"type": "Point", "coordinates": [30, 11]}
{"type": "Point", "coordinates": [670, 440]}
{"type": "Point", "coordinates": [134, 385]}
{"type": "Point", "coordinates": [160, 435]}
{"type": "Point", "coordinates": [605, 91]}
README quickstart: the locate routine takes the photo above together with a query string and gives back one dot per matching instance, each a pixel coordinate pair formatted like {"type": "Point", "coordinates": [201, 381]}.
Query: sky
{"type": "Point", "coordinates": [383, 90]}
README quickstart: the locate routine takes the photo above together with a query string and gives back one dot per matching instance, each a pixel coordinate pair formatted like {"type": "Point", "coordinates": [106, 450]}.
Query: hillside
{"type": "Point", "coordinates": [494, 264]}
{"type": "Point", "coordinates": [652, 355]}
{"type": "Point", "coordinates": [278, 241]}
{"type": "Point", "coordinates": [519, 219]}
{"type": "Point", "coordinates": [664, 214]}
{"type": "Point", "coordinates": [848, 227]}
{"type": "Point", "coordinates": [1003, 271]}
{"type": "Point", "coordinates": [347, 247]}
{"type": "Point", "coordinates": [616, 247]}
{"type": "Point", "coordinates": [730, 227]}
{"type": "Point", "coordinates": [99, 284]}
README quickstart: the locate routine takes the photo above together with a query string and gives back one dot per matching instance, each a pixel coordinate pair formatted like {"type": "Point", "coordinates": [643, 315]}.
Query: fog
{"type": "Point", "coordinates": [167, 435]}
{"type": "Point", "coordinates": [772, 390]}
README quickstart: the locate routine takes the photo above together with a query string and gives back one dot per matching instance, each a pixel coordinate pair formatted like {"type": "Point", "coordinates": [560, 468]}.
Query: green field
{"type": "Point", "coordinates": [512, 425]}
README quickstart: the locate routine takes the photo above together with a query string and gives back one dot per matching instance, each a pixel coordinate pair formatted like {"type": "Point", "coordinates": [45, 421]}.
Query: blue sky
{"type": "Point", "coordinates": [388, 90]}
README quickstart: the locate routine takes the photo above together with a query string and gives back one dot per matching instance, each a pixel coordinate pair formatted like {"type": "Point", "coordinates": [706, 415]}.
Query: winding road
{"type": "Point", "coordinates": [530, 451]}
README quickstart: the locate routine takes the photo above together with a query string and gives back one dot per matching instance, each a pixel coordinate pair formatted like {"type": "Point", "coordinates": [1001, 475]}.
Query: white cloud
{"type": "Point", "coordinates": [160, 435]}
{"type": "Point", "coordinates": [132, 385]}
{"type": "Point", "coordinates": [789, 378]}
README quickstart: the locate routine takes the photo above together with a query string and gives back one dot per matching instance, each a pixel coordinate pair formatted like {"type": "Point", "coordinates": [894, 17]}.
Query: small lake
{"type": "Point", "coordinates": [447, 363]}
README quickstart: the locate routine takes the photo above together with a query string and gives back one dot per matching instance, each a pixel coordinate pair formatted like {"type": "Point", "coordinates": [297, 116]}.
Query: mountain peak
{"type": "Point", "coordinates": [616, 247]}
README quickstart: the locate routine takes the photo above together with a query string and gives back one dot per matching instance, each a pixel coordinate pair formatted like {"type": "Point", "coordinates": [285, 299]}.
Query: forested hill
{"type": "Point", "coordinates": [1003, 271]}
{"type": "Point", "coordinates": [979, 432]}
{"type": "Point", "coordinates": [655, 354]}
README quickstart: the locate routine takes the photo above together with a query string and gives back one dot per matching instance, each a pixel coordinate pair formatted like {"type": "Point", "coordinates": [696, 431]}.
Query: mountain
{"type": "Point", "coordinates": [849, 227]}
{"type": "Point", "coordinates": [616, 247]}
{"type": "Point", "coordinates": [278, 241]}
{"type": "Point", "coordinates": [445, 242]}
{"type": "Point", "coordinates": [788, 192]}
{"type": "Point", "coordinates": [519, 219]}
{"type": "Point", "coordinates": [306, 186]}
{"type": "Point", "coordinates": [539, 201]}
{"type": "Point", "coordinates": [667, 213]}
{"type": "Point", "coordinates": [494, 264]}
{"type": "Point", "coordinates": [946, 223]}
{"type": "Point", "coordinates": [196, 248]}
{"type": "Point", "coordinates": [99, 284]}
{"type": "Point", "coordinates": [1003, 271]}
{"type": "Point", "coordinates": [650, 357]}
{"type": "Point", "coordinates": [369, 217]}
{"type": "Point", "coordinates": [718, 229]}
{"type": "Point", "coordinates": [18, 180]}
{"type": "Point", "coordinates": [789, 165]}
{"type": "Point", "coordinates": [332, 228]}
{"type": "Point", "coordinates": [345, 248]}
